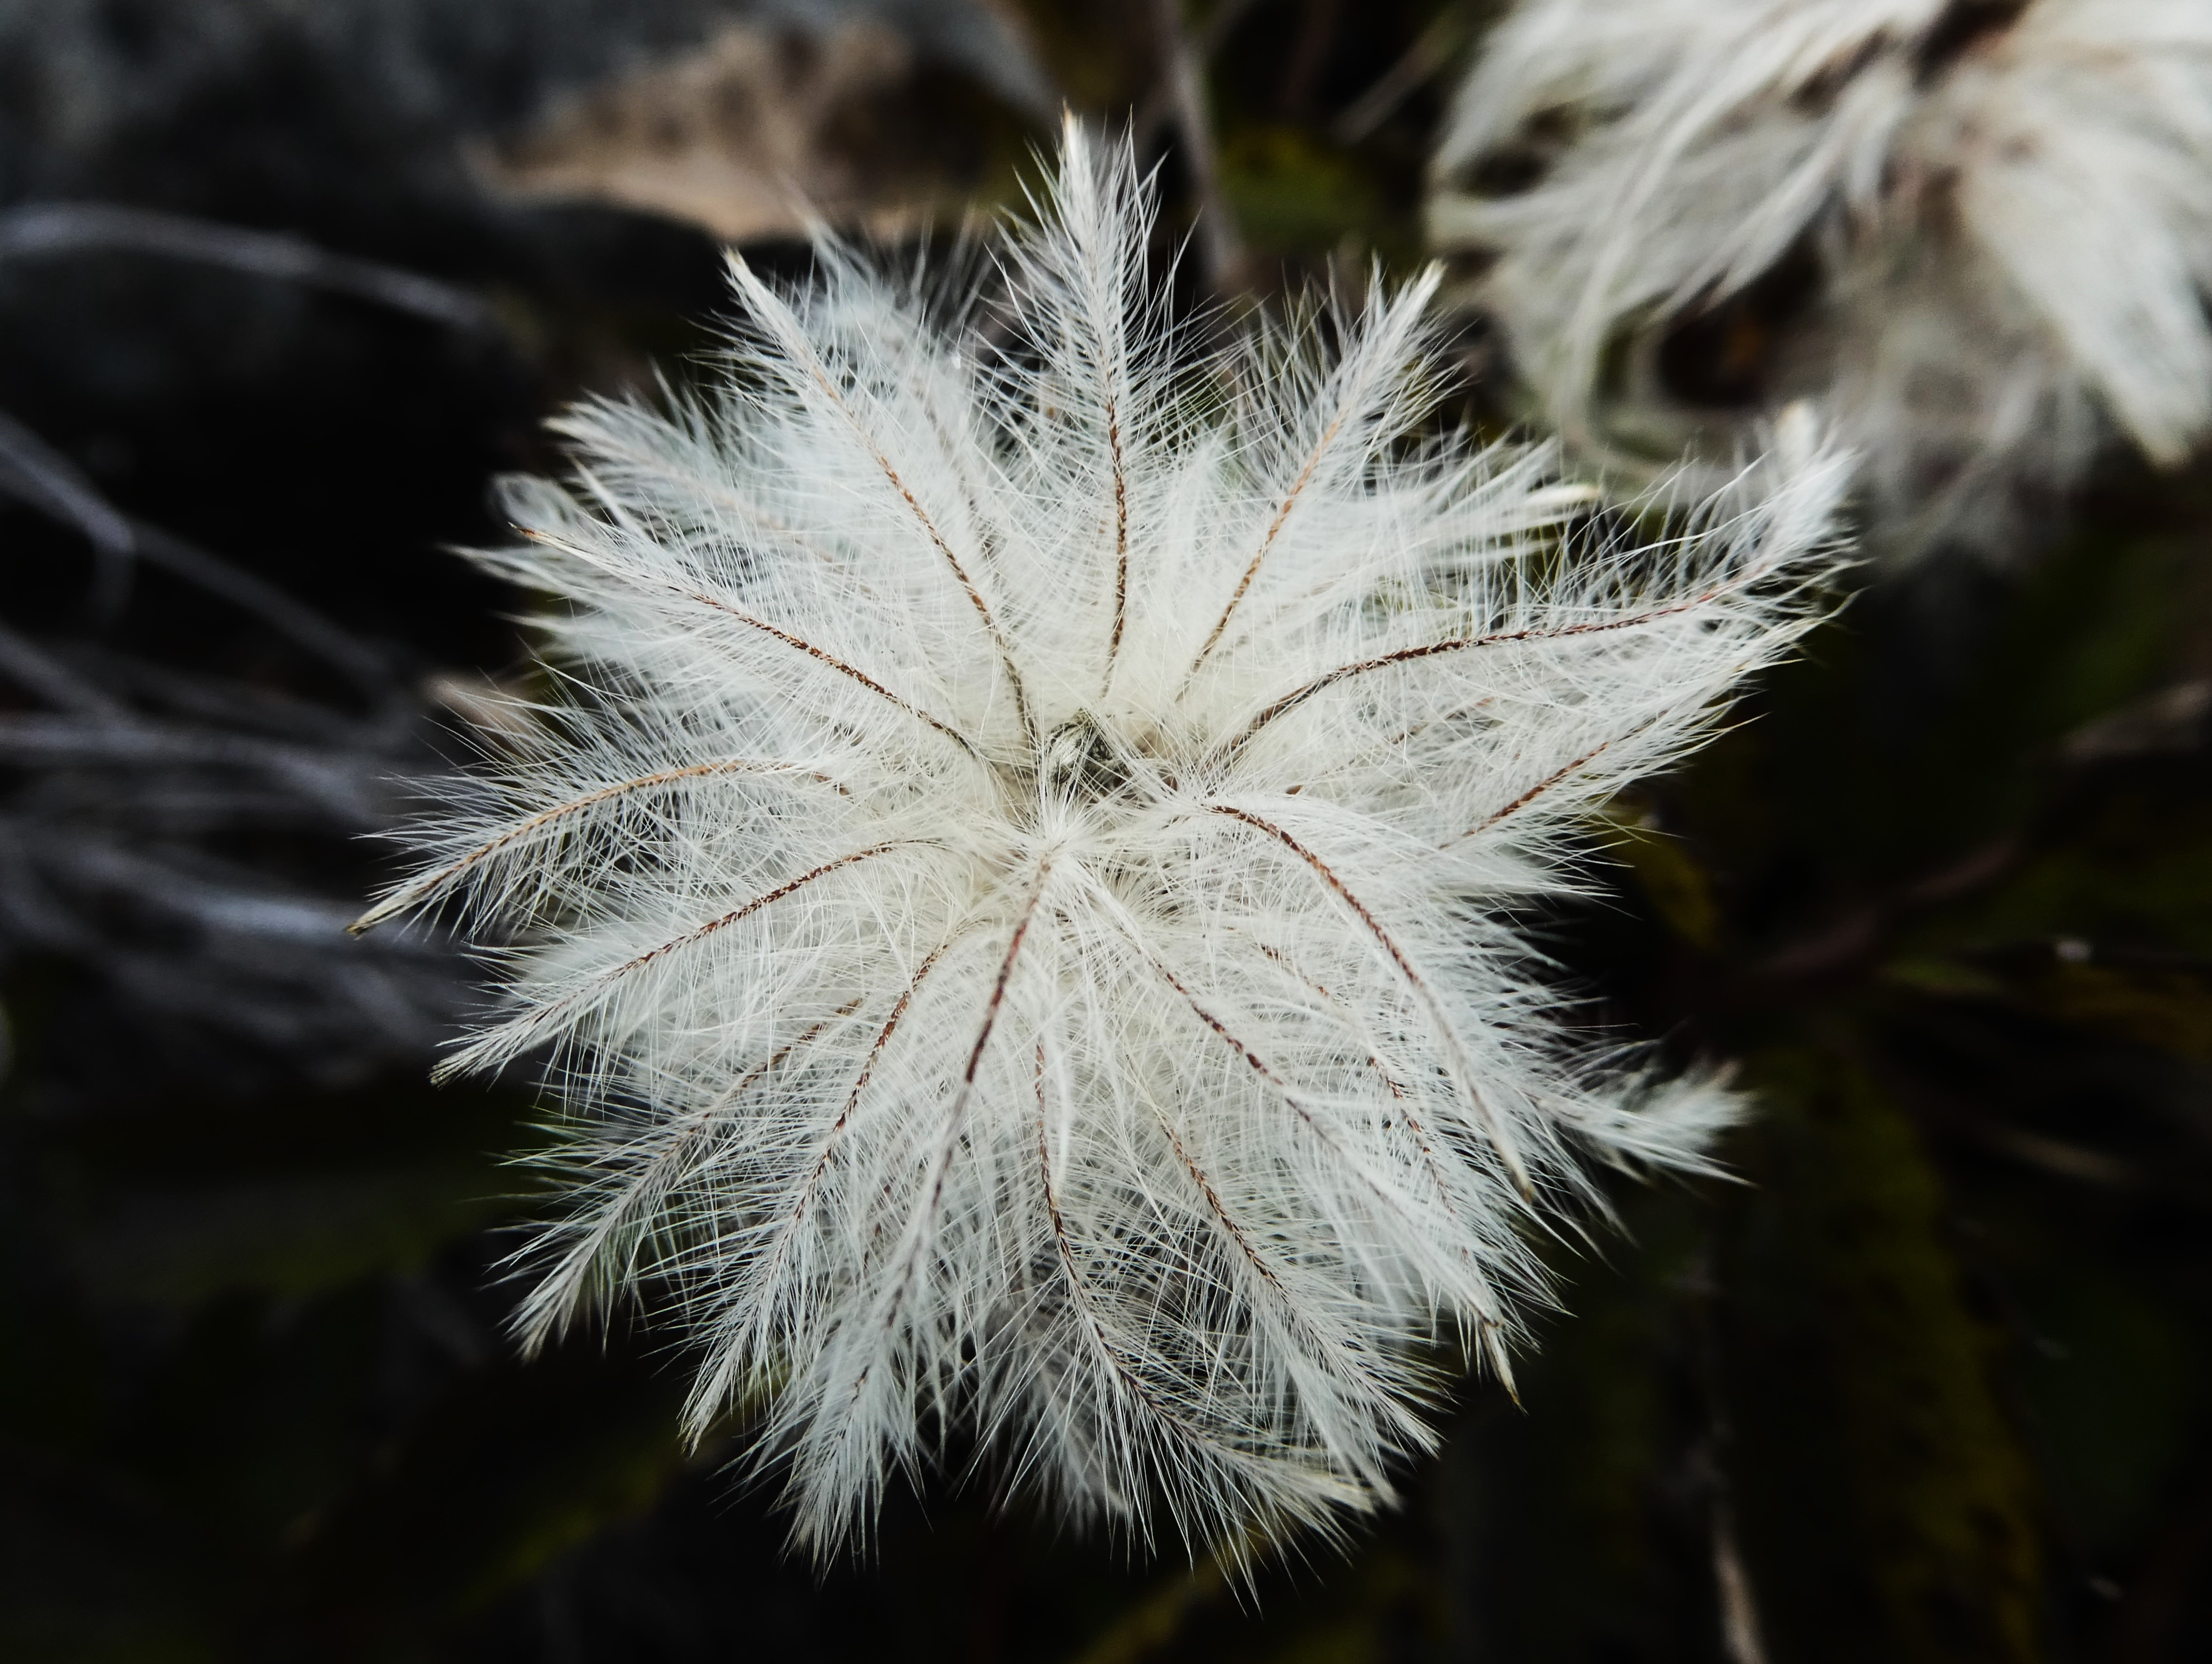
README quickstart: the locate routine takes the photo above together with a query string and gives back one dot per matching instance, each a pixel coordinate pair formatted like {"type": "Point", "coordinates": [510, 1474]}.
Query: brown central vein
{"type": "Point", "coordinates": [1499, 1138]}
{"type": "Point", "coordinates": [1274, 530]}
{"type": "Point", "coordinates": [430, 884]}
{"type": "Point", "coordinates": [803, 1201]}
{"type": "Point", "coordinates": [740, 616]}
{"type": "Point", "coordinates": [551, 1015]}
{"type": "Point", "coordinates": [1298, 696]}
{"type": "Point", "coordinates": [956, 1117]}
{"type": "Point", "coordinates": [656, 1176]}
{"type": "Point", "coordinates": [1118, 1358]}
{"type": "Point", "coordinates": [819, 373]}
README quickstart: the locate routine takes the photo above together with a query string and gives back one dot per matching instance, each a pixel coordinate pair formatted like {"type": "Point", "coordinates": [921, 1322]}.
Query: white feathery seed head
{"type": "Point", "coordinates": [1976, 233]}
{"type": "Point", "coordinates": [1020, 873]}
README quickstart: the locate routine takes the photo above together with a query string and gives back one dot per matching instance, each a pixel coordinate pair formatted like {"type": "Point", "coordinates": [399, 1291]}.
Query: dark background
{"type": "Point", "coordinates": [1935, 1382]}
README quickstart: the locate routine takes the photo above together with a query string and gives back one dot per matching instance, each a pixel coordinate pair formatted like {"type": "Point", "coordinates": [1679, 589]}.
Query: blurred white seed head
{"type": "Point", "coordinates": [1021, 874]}
{"type": "Point", "coordinates": [1978, 232]}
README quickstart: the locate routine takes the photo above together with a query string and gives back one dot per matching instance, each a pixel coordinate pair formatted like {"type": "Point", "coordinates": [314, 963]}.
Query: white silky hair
{"type": "Point", "coordinates": [2007, 210]}
{"type": "Point", "coordinates": [1021, 874]}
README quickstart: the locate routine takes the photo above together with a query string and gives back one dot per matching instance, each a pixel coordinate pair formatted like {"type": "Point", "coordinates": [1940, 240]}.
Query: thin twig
{"type": "Point", "coordinates": [1846, 945]}
{"type": "Point", "coordinates": [35, 670]}
{"type": "Point", "coordinates": [1220, 249]}
{"type": "Point", "coordinates": [1432, 50]}
{"type": "Point", "coordinates": [1739, 1632]}
{"type": "Point", "coordinates": [1742, 1639]}
{"type": "Point", "coordinates": [1158, 106]}
{"type": "Point", "coordinates": [340, 784]}
{"type": "Point", "coordinates": [48, 229]}
{"type": "Point", "coordinates": [1309, 55]}
{"type": "Point", "coordinates": [35, 473]}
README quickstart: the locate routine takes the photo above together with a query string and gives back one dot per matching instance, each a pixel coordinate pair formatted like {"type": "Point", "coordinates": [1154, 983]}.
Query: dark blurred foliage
{"type": "Point", "coordinates": [1935, 1382]}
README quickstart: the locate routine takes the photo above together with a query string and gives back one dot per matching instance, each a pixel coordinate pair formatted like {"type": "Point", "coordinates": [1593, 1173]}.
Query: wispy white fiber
{"type": "Point", "coordinates": [2002, 210]}
{"type": "Point", "coordinates": [1021, 874]}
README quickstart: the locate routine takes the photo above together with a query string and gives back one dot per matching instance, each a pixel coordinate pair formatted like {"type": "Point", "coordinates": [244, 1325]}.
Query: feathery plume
{"type": "Point", "coordinates": [1020, 873]}
{"type": "Point", "coordinates": [1979, 233]}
